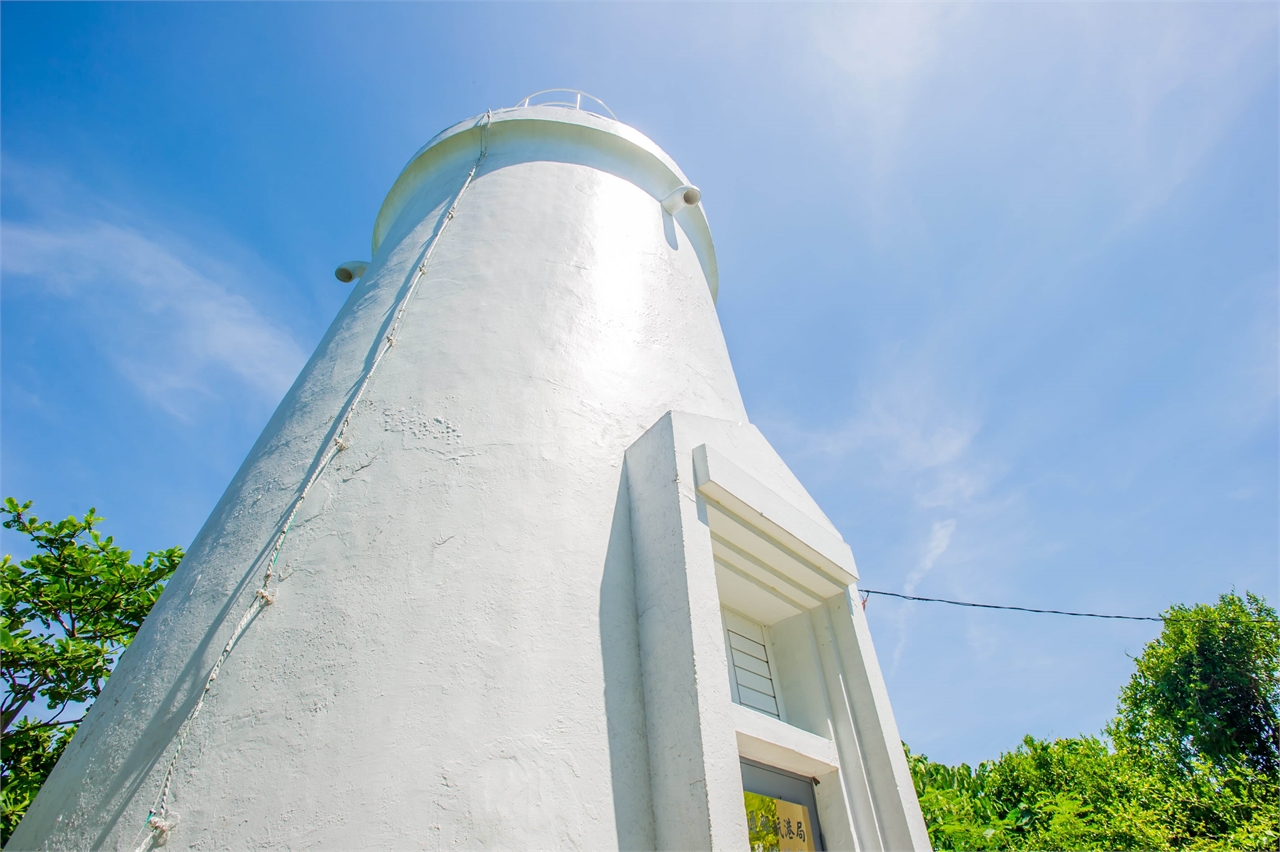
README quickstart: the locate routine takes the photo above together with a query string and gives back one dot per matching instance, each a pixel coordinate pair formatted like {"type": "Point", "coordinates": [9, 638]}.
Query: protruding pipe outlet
{"type": "Point", "coordinates": [683, 196]}
{"type": "Point", "coordinates": [350, 271]}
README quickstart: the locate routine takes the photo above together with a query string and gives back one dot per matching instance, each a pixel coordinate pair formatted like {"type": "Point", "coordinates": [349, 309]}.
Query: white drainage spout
{"type": "Point", "coordinates": [350, 271]}
{"type": "Point", "coordinates": [683, 196]}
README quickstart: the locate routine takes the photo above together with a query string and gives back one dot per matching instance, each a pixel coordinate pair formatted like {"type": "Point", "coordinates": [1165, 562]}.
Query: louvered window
{"type": "Point", "coordinates": [752, 672]}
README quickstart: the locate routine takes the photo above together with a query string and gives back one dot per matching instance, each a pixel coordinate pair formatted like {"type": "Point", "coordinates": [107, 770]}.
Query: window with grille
{"type": "Point", "coordinates": [752, 671]}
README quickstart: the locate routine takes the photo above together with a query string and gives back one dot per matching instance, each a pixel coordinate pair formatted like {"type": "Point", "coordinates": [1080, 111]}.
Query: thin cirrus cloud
{"type": "Point", "coordinates": [1127, 98]}
{"type": "Point", "coordinates": [156, 310]}
{"type": "Point", "coordinates": [907, 436]}
{"type": "Point", "coordinates": [1062, 129]}
{"type": "Point", "coordinates": [939, 541]}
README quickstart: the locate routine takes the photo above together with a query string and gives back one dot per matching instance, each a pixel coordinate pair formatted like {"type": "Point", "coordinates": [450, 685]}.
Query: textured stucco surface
{"type": "Point", "coordinates": [452, 656]}
{"type": "Point", "coordinates": [828, 670]}
{"type": "Point", "coordinates": [498, 623]}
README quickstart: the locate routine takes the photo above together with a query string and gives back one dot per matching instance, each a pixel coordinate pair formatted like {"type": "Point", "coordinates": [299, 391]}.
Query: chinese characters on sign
{"type": "Point", "coordinates": [774, 825]}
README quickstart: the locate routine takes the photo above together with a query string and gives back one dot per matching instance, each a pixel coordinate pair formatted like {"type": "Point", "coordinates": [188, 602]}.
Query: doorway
{"type": "Point", "coordinates": [782, 813]}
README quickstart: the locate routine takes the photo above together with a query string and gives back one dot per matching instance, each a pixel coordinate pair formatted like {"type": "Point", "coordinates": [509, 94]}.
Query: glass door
{"type": "Point", "coordinates": [782, 814]}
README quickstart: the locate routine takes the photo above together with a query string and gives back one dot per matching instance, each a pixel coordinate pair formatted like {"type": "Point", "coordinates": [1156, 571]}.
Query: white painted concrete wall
{"type": "Point", "coordinates": [455, 657]}
{"type": "Point", "coordinates": [827, 668]}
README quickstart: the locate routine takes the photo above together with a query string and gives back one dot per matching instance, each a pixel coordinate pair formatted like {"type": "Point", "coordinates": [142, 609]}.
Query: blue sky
{"type": "Point", "coordinates": [999, 281]}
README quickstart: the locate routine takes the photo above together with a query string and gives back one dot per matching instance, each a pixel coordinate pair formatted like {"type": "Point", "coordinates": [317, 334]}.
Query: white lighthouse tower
{"type": "Point", "coordinates": [509, 568]}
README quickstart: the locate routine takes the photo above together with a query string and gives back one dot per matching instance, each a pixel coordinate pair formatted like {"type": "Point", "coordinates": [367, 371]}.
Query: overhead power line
{"type": "Point", "coordinates": [869, 592]}
{"type": "Point", "coordinates": [1015, 608]}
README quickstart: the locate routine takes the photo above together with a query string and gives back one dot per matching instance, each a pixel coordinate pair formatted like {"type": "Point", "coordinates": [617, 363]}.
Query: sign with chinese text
{"type": "Point", "coordinates": [774, 825]}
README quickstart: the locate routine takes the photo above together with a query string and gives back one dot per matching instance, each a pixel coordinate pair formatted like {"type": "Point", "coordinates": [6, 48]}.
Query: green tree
{"type": "Point", "coordinates": [66, 614]}
{"type": "Point", "coordinates": [1207, 689]}
{"type": "Point", "coordinates": [1192, 762]}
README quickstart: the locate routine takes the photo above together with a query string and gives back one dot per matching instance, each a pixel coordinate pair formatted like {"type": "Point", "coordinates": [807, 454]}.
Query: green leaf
{"type": "Point", "coordinates": [66, 613]}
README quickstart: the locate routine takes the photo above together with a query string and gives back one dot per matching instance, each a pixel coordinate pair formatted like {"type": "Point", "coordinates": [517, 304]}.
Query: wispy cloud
{"type": "Point", "coordinates": [883, 56]}
{"type": "Point", "coordinates": [939, 541]}
{"type": "Point", "coordinates": [1132, 99]}
{"type": "Point", "coordinates": [1175, 91]}
{"type": "Point", "coordinates": [164, 315]}
{"type": "Point", "coordinates": [912, 430]}
{"type": "Point", "coordinates": [914, 445]}
{"type": "Point", "coordinates": [909, 439]}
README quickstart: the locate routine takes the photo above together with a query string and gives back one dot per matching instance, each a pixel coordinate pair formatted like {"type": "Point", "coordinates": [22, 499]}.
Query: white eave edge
{"type": "Point", "coordinates": [721, 481]}
{"type": "Point", "coordinates": [766, 740]}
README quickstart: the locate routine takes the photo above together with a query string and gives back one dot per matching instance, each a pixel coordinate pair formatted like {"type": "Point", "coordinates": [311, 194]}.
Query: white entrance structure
{"type": "Point", "coordinates": [508, 568]}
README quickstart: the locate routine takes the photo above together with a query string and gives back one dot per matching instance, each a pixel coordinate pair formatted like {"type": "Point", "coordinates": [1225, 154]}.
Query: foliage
{"type": "Point", "coordinates": [1207, 689]}
{"type": "Point", "coordinates": [66, 614]}
{"type": "Point", "coordinates": [762, 822]}
{"type": "Point", "coordinates": [30, 750]}
{"type": "Point", "coordinates": [1189, 765]}
{"type": "Point", "coordinates": [1077, 793]}
{"type": "Point", "coordinates": [1191, 761]}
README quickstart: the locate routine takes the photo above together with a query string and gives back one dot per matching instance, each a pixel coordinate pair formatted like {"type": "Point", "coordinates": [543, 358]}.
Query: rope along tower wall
{"type": "Point", "coordinates": [159, 821]}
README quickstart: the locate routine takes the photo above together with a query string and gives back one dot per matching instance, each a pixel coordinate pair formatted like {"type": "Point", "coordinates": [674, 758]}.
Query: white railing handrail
{"type": "Point", "coordinates": [576, 103]}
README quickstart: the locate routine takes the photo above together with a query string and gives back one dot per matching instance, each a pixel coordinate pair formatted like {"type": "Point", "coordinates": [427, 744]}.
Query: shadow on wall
{"type": "Point", "coordinates": [623, 689]}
